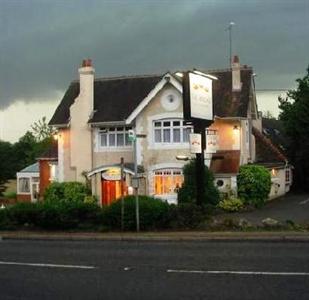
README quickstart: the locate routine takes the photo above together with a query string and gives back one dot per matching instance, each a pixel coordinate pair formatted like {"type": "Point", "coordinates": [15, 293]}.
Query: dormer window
{"type": "Point", "coordinates": [114, 137]}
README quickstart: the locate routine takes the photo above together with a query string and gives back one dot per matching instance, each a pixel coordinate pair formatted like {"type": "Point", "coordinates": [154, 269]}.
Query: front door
{"type": "Point", "coordinates": [111, 190]}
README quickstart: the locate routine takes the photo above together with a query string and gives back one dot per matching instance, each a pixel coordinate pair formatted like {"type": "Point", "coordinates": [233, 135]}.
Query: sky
{"type": "Point", "coordinates": [42, 44]}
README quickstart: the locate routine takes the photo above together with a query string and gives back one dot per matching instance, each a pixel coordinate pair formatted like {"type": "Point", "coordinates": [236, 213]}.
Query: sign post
{"type": "Point", "coordinates": [198, 109]}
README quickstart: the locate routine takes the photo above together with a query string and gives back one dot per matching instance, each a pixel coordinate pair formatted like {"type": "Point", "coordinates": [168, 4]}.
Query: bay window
{"type": "Point", "coordinates": [167, 181]}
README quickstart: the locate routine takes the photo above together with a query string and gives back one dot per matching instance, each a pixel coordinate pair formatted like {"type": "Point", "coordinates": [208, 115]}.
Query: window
{"type": "Point", "coordinates": [24, 185]}
{"type": "Point", "coordinates": [168, 181]}
{"type": "Point", "coordinates": [114, 137]}
{"type": "Point", "coordinates": [171, 132]}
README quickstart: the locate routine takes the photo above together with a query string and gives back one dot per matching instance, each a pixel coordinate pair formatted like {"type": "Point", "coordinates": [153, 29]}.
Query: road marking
{"type": "Point", "coordinates": [240, 272]}
{"type": "Point", "coordinates": [45, 265]}
{"type": "Point", "coordinates": [304, 202]}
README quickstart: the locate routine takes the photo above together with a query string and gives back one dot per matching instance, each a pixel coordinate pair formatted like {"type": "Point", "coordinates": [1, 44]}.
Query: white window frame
{"type": "Point", "coordinates": [115, 130]}
{"type": "Point", "coordinates": [158, 125]}
{"type": "Point", "coordinates": [172, 172]}
{"type": "Point", "coordinates": [20, 185]}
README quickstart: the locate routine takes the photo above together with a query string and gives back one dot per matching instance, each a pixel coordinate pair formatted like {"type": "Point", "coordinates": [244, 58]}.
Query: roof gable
{"type": "Point", "coordinates": [121, 98]}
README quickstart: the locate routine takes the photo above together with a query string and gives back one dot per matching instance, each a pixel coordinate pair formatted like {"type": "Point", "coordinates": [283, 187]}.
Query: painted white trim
{"type": "Point", "coordinates": [174, 165]}
{"type": "Point", "coordinates": [103, 168]}
{"type": "Point", "coordinates": [167, 78]}
{"type": "Point", "coordinates": [159, 146]}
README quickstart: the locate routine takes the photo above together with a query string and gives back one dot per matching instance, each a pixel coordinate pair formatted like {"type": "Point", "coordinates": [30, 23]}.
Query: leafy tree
{"type": "Point", "coordinates": [187, 193]}
{"type": "Point", "coordinates": [7, 164]}
{"type": "Point", "coordinates": [41, 130]}
{"type": "Point", "coordinates": [294, 115]}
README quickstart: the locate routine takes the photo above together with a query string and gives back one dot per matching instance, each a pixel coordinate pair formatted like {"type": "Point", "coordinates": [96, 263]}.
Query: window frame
{"type": "Point", "coordinates": [115, 133]}
{"type": "Point", "coordinates": [21, 185]}
{"type": "Point", "coordinates": [165, 173]}
{"type": "Point", "coordinates": [167, 132]}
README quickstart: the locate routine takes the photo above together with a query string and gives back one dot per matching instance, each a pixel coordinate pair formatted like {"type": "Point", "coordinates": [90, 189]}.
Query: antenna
{"type": "Point", "coordinates": [229, 29]}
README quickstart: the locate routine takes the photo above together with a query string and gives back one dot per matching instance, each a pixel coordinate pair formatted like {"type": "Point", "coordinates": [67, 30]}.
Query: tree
{"type": "Point", "coordinates": [294, 115]}
{"type": "Point", "coordinates": [187, 193]}
{"type": "Point", "coordinates": [41, 130]}
{"type": "Point", "coordinates": [7, 164]}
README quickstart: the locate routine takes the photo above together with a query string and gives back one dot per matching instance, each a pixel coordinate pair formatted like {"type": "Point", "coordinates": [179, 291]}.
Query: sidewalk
{"type": "Point", "coordinates": [288, 236]}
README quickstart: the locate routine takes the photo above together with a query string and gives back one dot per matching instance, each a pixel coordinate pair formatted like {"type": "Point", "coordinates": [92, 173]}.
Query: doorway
{"type": "Point", "coordinates": [111, 190]}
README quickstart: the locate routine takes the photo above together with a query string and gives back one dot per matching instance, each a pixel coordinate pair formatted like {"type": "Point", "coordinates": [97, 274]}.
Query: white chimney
{"type": "Point", "coordinates": [86, 83]}
{"type": "Point", "coordinates": [236, 83]}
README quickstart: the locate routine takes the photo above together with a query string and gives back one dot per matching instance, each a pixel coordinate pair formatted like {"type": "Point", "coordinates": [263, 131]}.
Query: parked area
{"type": "Point", "coordinates": [293, 207]}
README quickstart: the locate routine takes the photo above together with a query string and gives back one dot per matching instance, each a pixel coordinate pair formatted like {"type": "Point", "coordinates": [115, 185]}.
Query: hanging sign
{"type": "Point", "coordinates": [211, 141]}
{"type": "Point", "coordinates": [195, 143]}
{"type": "Point", "coordinates": [197, 97]}
{"type": "Point", "coordinates": [112, 174]}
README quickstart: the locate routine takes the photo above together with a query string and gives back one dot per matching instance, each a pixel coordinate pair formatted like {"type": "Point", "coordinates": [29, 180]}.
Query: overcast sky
{"type": "Point", "coordinates": [42, 43]}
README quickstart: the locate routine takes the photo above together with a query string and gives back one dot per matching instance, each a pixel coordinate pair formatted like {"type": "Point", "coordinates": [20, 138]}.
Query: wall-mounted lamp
{"type": "Point", "coordinates": [235, 127]}
{"type": "Point", "coordinates": [182, 157]}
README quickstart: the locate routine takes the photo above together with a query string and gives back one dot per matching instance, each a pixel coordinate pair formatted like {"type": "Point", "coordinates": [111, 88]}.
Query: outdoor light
{"type": "Point", "coordinates": [235, 128]}
{"type": "Point", "coordinates": [182, 157]}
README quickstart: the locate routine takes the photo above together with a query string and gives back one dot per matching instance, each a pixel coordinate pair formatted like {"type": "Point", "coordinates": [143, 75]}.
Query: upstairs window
{"type": "Point", "coordinates": [172, 131]}
{"type": "Point", "coordinates": [114, 137]}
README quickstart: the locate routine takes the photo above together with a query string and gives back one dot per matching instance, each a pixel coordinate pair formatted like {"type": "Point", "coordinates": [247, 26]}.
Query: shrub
{"type": "Point", "coordinates": [186, 215]}
{"type": "Point", "coordinates": [66, 192]}
{"type": "Point", "coordinates": [23, 213]}
{"type": "Point", "coordinates": [254, 183]}
{"type": "Point", "coordinates": [187, 192]}
{"type": "Point", "coordinates": [154, 214]}
{"type": "Point", "coordinates": [231, 204]}
{"type": "Point", "coordinates": [9, 195]}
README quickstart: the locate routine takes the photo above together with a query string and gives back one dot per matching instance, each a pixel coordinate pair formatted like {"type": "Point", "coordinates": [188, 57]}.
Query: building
{"type": "Point", "coordinates": [95, 115]}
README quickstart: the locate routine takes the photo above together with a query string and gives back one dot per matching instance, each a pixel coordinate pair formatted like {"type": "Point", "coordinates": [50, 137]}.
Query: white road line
{"type": "Point", "coordinates": [240, 272]}
{"type": "Point", "coordinates": [304, 202]}
{"type": "Point", "coordinates": [45, 265]}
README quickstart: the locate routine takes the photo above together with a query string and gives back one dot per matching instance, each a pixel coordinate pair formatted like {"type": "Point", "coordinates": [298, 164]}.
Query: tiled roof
{"type": "Point", "coordinates": [34, 168]}
{"type": "Point", "coordinates": [266, 151]}
{"type": "Point", "coordinates": [116, 98]}
{"type": "Point", "coordinates": [225, 162]}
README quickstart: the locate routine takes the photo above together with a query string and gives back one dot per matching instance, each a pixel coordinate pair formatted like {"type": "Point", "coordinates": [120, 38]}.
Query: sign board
{"type": "Point", "coordinates": [112, 174]}
{"type": "Point", "coordinates": [211, 141]}
{"type": "Point", "coordinates": [195, 143]}
{"type": "Point", "coordinates": [197, 97]}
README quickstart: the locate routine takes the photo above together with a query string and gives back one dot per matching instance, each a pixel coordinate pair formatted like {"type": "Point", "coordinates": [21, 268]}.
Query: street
{"type": "Point", "coordinates": [154, 270]}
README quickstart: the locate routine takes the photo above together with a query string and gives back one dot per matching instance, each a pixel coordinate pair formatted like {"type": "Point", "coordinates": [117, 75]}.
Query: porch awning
{"type": "Point", "coordinates": [128, 168]}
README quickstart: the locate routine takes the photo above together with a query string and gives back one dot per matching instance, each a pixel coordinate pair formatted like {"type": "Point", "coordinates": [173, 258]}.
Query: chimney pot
{"type": "Point", "coordinates": [87, 63]}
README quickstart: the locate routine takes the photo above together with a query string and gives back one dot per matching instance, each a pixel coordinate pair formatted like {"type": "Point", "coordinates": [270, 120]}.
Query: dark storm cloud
{"type": "Point", "coordinates": [43, 42]}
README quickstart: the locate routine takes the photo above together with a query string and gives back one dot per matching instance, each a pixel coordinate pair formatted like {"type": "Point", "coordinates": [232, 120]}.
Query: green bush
{"type": "Point", "coordinates": [9, 195]}
{"type": "Point", "coordinates": [186, 215]}
{"type": "Point", "coordinates": [66, 192]}
{"type": "Point", "coordinates": [231, 204]}
{"type": "Point", "coordinates": [254, 183]}
{"type": "Point", "coordinates": [154, 214]}
{"type": "Point", "coordinates": [187, 193]}
{"type": "Point", "coordinates": [63, 215]}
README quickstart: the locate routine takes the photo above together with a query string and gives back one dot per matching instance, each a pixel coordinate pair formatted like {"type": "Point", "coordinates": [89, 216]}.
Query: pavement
{"type": "Point", "coordinates": [182, 270]}
{"type": "Point", "coordinates": [294, 207]}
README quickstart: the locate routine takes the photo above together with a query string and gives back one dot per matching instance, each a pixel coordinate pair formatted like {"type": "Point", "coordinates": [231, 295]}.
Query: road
{"type": "Point", "coordinates": [153, 270]}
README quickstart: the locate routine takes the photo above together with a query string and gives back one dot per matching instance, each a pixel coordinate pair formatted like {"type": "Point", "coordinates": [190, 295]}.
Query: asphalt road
{"type": "Point", "coordinates": [153, 270]}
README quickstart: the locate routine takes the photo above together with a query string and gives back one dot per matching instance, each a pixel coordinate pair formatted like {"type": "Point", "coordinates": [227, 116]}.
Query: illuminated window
{"type": "Point", "coordinates": [168, 181]}
{"type": "Point", "coordinates": [171, 131]}
{"type": "Point", "coordinates": [24, 185]}
{"type": "Point", "coordinates": [114, 137]}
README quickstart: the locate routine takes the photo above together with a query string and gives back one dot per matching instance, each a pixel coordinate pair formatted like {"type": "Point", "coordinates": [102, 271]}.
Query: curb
{"type": "Point", "coordinates": [178, 237]}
